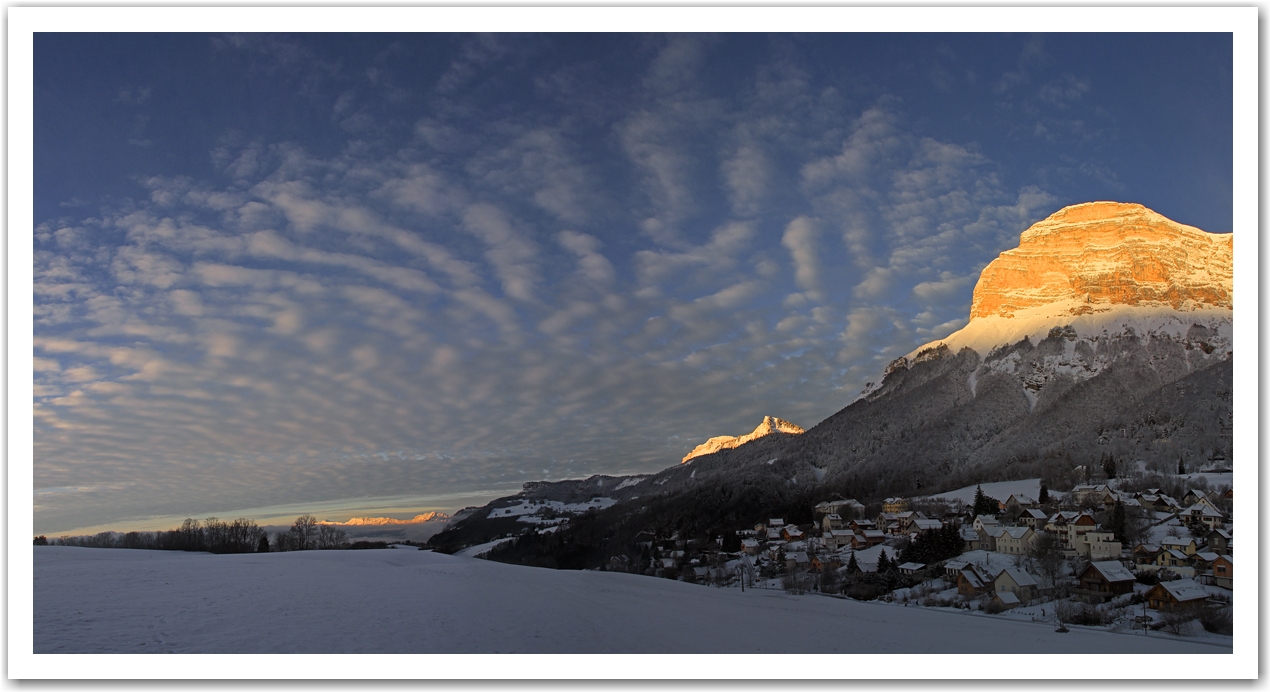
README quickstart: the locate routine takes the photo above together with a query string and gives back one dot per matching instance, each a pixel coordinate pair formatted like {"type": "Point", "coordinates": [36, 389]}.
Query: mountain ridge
{"type": "Point", "coordinates": [1035, 391]}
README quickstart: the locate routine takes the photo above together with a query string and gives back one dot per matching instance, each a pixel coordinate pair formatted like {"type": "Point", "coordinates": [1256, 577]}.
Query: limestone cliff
{"type": "Point", "coordinates": [1106, 253]}
{"type": "Point", "coordinates": [767, 427]}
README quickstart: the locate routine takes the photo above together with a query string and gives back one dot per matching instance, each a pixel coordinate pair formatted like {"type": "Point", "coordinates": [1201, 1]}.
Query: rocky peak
{"type": "Point", "coordinates": [1100, 254]}
{"type": "Point", "coordinates": [770, 425]}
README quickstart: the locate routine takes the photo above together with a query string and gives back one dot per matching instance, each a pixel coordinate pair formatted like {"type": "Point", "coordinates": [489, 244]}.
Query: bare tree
{"type": "Point", "coordinates": [330, 538]}
{"type": "Point", "coordinates": [303, 532]}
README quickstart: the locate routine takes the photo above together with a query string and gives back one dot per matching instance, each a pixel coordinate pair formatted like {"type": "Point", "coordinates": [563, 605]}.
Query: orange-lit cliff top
{"type": "Point", "coordinates": [1108, 253]}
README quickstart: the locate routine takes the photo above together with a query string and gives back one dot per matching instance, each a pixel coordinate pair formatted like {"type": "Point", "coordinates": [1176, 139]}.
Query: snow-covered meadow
{"type": "Point", "coordinates": [404, 601]}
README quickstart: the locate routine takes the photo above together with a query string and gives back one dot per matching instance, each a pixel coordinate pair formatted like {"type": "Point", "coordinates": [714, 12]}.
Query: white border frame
{"type": "Point", "coordinates": [24, 21]}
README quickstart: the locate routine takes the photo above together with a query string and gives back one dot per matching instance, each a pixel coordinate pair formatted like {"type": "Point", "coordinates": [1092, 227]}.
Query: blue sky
{"type": "Point", "coordinates": [399, 271]}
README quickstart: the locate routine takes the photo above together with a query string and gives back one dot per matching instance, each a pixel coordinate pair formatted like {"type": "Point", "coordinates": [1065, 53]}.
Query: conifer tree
{"type": "Point", "coordinates": [884, 564]}
{"type": "Point", "coordinates": [1181, 467]}
{"type": "Point", "coordinates": [852, 566]}
{"type": "Point", "coordinates": [1118, 521]}
{"type": "Point", "coordinates": [1044, 497]}
{"type": "Point", "coordinates": [984, 504]}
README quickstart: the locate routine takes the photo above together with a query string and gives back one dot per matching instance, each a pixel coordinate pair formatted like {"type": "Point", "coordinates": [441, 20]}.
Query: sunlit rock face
{"type": "Point", "coordinates": [388, 521]}
{"type": "Point", "coordinates": [1094, 255]}
{"type": "Point", "coordinates": [769, 425]}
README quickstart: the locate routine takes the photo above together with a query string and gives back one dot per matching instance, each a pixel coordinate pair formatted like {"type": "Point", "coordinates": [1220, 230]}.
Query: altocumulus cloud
{"type": "Point", "coordinates": [490, 279]}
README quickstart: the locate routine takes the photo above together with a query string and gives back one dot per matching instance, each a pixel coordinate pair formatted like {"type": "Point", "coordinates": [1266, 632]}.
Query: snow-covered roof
{"type": "Point", "coordinates": [972, 577]}
{"type": "Point", "coordinates": [912, 566]}
{"type": "Point", "coordinates": [796, 556]}
{"type": "Point", "coordinates": [1185, 589]}
{"type": "Point", "coordinates": [1206, 556]}
{"type": "Point", "coordinates": [1220, 532]}
{"type": "Point", "coordinates": [1008, 598]}
{"type": "Point", "coordinates": [1112, 571]}
{"type": "Point", "coordinates": [926, 524]}
{"type": "Point", "coordinates": [776, 523]}
{"type": "Point", "coordinates": [833, 516]}
{"type": "Point", "coordinates": [1016, 532]}
{"type": "Point", "coordinates": [1203, 510]}
{"type": "Point", "coordinates": [1019, 576]}
{"type": "Point", "coordinates": [1035, 513]}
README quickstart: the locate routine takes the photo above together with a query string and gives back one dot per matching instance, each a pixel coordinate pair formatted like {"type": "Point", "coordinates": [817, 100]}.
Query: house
{"type": "Point", "coordinates": [1019, 502]}
{"type": "Point", "coordinates": [830, 522]}
{"type": "Point", "coordinates": [1172, 557]}
{"type": "Point", "coordinates": [791, 533]}
{"type": "Point", "coordinates": [1006, 600]}
{"type": "Point", "coordinates": [919, 526]}
{"type": "Point", "coordinates": [797, 560]}
{"type": "Point", "coordinates": [1186, 545]}
{"type": "Point", "coordinates": [1075, 528]}
{"type": "Point", "coordinates": [1173, 594]}
{"type": "Point", "coordinates": [1034, 518]}
{"type": "Point", "coordinates": [969, 536]}
{"type": "Point", "coordinates": [821, 562]}
{"type": "Point", "coordinates": [749, 546]}
{"type": "Point", "coordinates": [867, 539]}
{"type": "Point", "coordinates": [984, 521]}
{"type": "Point", "coordinates": [776, 523]}
{"type": "Point", "coordinates": [1203, 564]}
{"type": "Point", "coordinates": [1097, 545]}
{"type": "Point", "coordinates": [1203, 513]}
{"type": "Point", "coordinates": [1218, 541]}
{"type": "Point", "coordinates": [774, 534]}
{"type": "Point", "coordinates": [843, 508]}
{"type": "Point", "coordinates": [1016, 540]}
{"type": "Point", "coordinates": [906, 520]}
{"type": "Point", "coordinates": [886, 522]}
{"type": "Point", "coordinates": [1094, 494]}
{"type": "Point", "coordinates": [837, 539]}
{"type": "Point", "coordinates": [1193, 496]}
{"type": "Point", "coordinates": [862, 524]}
{"type": "Point", "coordinates": [1016, 581]}
{"type": "Point", "coordinates": [1104, 580]}
{"type": "Point", "coordinates": [988, 538]}
{"type": "Point", "coordinates": [894, 505]}
{"type": "Point", "coordinates": [909, 568]}
{"type": "Point", "coordinates": [1224, 572]}
{"type": "Point", "coordinates": [1145, 553]}
{"type": "Point", "coordinates": [970, 583]}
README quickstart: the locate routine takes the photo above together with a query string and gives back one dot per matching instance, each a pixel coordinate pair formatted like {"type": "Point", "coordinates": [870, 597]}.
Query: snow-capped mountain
{"type": "Point", "coordinates": [1093, 276]}
{"type": "Point", "coordinates": [1107, 332]}
{"type": "Point", "coordinates": [389, 521]}
{"type": "Point", "coordinates": [769, 425]}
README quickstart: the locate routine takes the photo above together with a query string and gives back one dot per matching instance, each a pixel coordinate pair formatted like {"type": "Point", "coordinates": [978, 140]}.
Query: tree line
{"type": "Point", "coordinates": [212, 535]}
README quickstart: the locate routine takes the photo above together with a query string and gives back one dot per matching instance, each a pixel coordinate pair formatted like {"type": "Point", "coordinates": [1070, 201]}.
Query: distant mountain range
{"type": "Point", "coordinates": [1106, 332]}
{"type": "Point", "coordinates": [388, 521]}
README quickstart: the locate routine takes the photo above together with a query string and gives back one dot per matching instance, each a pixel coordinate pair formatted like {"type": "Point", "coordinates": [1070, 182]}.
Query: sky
{"type": "Point", "coordinates": [388, 273]}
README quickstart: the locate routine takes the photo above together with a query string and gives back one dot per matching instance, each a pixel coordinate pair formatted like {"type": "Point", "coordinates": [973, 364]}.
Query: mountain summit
{"type": "Point", "coordinates": [769, 425]}
{"type": "Point", "coordinates": [1097, 271]}
{"type": "Point", "coordinates": [1089, 258]}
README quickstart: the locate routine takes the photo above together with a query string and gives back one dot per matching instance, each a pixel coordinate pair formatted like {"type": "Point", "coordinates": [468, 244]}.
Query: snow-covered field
{"type": "Point", "coordinates": [403, 601]}
{"type": "Point", "coordinates": [998, 491]}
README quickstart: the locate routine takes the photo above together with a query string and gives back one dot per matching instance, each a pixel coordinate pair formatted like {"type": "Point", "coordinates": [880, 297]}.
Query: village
{"type": "Point", "coordinates": [1093, 556]}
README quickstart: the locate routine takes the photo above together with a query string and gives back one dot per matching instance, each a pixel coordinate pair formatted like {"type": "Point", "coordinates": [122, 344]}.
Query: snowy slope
{"type": "Point", "coordinates": [1030, 487]}
{"type": "Point", "coordinates": [390, 601]}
